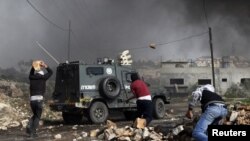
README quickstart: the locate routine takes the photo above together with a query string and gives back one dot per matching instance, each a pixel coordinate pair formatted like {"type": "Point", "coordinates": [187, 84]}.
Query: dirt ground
{"type": "Point", "coordinates": [174, 113]}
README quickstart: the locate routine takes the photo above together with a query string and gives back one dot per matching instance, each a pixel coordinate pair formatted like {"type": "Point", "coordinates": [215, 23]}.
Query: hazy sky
{"type": "Point", "coordinates": [106, 27]}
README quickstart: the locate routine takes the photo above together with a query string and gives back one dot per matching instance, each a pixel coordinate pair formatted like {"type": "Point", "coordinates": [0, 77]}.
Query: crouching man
{"type": "Point", "coordinates": [212, 106]}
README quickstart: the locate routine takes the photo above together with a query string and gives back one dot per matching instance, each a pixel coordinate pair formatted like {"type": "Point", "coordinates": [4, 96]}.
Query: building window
{"type": "Point", "coordinates": [204, 81]}
{"type": "Point", "coordinates": [177, 81]}
{"type": "Point", "coordinates": [245, 80]}
{"type": "Point", "coordinates": [179, 66]}
{"type": "Point", "coordinates": [224, 80]}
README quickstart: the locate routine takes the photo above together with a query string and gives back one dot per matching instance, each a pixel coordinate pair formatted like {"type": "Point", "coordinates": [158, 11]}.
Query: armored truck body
{"type": "Point", "coordinates": [92, 90]}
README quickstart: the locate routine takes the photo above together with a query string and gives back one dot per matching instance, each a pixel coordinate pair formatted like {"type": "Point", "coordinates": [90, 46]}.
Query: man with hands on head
{"type": "Point", "coordinates": [39, 74]}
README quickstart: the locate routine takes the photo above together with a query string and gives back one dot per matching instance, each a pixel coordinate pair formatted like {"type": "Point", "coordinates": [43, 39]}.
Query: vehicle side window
{"type": "Point", "coordinates": [128, 77]}
{"type": "Point", "coordinates": [95, 71]}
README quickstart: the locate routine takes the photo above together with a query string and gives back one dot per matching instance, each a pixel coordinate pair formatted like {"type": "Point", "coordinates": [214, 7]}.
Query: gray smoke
{"type": "Point", "coordinates": [105, 28]}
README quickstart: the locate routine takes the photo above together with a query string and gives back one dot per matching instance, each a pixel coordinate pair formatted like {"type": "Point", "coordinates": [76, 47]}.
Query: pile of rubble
{"type": "Point", "coordinates": [239, 114]}
{"type": "Point", "coordinates": [11, 88]}
{"type": "Point", "coordinates": [11, 113]}
{"type": "Point", "coordinates": [14, 105]}
{"type": "Point", "coordinates": [133, 133]}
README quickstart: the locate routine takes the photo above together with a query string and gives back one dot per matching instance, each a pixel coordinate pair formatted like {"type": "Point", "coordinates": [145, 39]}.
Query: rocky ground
{"type": "Point", "coordinates": [15, 112]}
{"type": "Point", "coordinates": [57, 130]}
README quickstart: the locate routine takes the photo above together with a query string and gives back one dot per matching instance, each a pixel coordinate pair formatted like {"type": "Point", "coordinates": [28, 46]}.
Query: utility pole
{"type": "Point", "coordinates": [69, 41]}
{"type": "Point", "coordinates": [212, 55]}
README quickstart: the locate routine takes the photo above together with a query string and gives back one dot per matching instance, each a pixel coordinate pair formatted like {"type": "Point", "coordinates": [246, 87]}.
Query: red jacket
{"type": "Point", "coordinates": [139, 88]}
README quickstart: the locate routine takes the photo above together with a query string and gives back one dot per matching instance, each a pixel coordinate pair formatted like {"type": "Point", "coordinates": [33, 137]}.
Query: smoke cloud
{"type": "Point", "coordinates": [105, 28]}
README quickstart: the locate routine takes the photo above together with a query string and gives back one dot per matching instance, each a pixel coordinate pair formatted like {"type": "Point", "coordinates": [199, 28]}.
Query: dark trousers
{"type": "Point", "coordinates": [36, 107]}
{"type": "Point", "coordinates": [145, 109]}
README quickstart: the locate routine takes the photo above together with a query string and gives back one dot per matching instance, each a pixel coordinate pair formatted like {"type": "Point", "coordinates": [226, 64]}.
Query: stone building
{"type": "Point", "coordinates": [179, 76]}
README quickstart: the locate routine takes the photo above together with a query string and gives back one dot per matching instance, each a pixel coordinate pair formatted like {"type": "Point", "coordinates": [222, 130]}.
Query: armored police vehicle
{"type": "Point", "coordinates": [92, 90]}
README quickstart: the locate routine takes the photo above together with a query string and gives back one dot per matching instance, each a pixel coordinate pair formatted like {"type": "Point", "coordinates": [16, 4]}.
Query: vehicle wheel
{"type": "Point", "coordinates": [159, 108]}
{"type": "Point", "coordinates": [98, 112]}
{"type": "Point", "coordinates": [71, 118]}
{"type": "Point", "coordinates": [110, 87]}
{"type": "Point", "coordinates": [130, 115]}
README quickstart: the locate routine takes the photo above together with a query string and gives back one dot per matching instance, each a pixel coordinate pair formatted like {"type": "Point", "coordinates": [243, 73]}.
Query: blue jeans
{"type": "Point", "coordinates": [210, 114]}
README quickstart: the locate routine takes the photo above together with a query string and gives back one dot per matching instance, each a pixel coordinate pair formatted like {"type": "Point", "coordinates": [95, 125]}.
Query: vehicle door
{"type": "Point", "coordinates": [126, 82]}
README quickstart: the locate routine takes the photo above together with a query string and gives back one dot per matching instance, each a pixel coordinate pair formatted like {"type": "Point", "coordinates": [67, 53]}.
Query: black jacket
{"type": "Point", "coordinates": [38, 81]}
{"type": "Point", "coordinates": [208, 98]}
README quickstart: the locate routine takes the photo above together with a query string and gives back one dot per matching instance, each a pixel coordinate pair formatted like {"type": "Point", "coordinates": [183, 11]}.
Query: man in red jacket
{"type": "Point", "coordinates": [144, 101]}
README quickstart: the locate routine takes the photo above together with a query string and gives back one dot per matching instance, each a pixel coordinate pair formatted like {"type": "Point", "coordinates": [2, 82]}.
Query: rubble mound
{"type": "Point", "coordinates": [14, 105]}
{"type": "Point", "coordinates": [239, 114]}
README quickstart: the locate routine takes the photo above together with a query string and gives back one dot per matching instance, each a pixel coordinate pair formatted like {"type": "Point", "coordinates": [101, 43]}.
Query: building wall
{"type": "Point", "coordinates": [193, 74]}
{"type": "Point", "coordinates": [228, 70]}
{"type": "Point", "coordinates": [152, 73]}
{"type": "Point", "coordinates": [233, 75]}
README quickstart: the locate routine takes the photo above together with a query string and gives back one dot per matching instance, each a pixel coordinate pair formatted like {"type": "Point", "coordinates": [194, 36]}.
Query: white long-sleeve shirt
{"type": "Point", "coordinates": [196, 97]}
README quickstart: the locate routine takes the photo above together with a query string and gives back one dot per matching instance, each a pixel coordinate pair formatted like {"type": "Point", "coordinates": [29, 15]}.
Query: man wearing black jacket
{"type": "Point", "coordinates": [213, 108]}
{"type": "Point", "coordinates": [38, 78]}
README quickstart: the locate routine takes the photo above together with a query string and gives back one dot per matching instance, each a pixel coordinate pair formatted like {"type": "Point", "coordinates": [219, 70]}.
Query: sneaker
{"type": "Point", "coordinates": [33, 135]}
{"type": "Point", "coordinates": [28, 131]}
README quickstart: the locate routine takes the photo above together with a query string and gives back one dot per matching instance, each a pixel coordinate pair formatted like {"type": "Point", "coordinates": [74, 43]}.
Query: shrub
{"type": "Point", "coordinates": [236, 91]}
